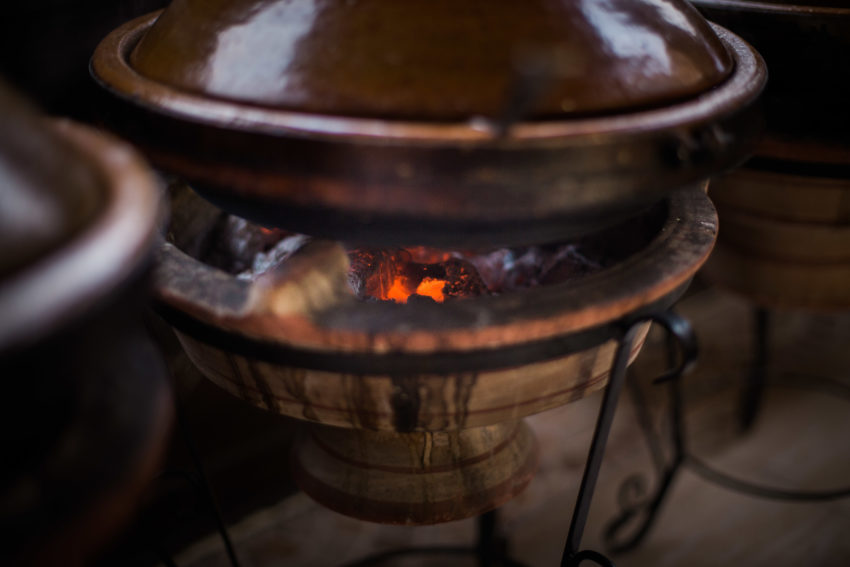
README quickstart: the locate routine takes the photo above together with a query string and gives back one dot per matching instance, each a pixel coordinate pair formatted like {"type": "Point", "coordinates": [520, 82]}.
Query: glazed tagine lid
{"type": "Point", "coordinates": [434, 59]}
{"type": "Point", "coordinates": [433, 122]}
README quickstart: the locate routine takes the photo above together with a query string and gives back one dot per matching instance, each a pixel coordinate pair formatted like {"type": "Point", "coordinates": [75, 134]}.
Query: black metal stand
{"type": "Point", "coordinates": [754, 387]}
{"type": "Point", "coordinates": [204, 493]}
{"type": "Point", "coordinates": [221, 526]}
{"type": "Point", "coordinates": [491, 548]}
{"type": "Point", "coordinates": [641, 511]}
{"type": "Point", "coordinates": [681, 336]}
{"type": "Point", "coordinates": [751, 402]}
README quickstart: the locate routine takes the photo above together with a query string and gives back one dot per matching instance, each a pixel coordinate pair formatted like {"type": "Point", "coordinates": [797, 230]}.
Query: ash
{"type": "Point", "coordinates": [378, 273]}
{"type": "Point", "coordinates": [510, 269]}
{"type": "Point", "coordinates": [248, 250]}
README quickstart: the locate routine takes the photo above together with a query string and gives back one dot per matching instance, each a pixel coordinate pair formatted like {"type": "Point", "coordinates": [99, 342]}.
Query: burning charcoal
{"type": "Point", "coordinates": [363, 265]}
{"type": "Point", "coordinates": [376, 272]}
{"type": "Point", "coordinates": [508, 270]}
{"type": "Point", "coordinates": [237, 242]}
{"type": "Point", "coordinates": [426, 255]}
{"type": "Point", "coordinates": [194, 216]}
{"type": "Point", "coordinates": [265, 261]}
{"type": "Point", "coordinates": [402, 274]}
{"type": "Point", "coordinates": [566, 263]}
{"type": "Point", "coordinates": [491, 267]}
{"type": "Point", "coordinates": [525, 269]}
{"type": "Point", "coordinates": [462, 279]}
{"type": "Point", "coordinates": [421, 299]}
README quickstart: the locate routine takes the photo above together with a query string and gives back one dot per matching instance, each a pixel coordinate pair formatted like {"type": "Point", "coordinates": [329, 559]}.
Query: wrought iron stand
{"type": "Point", "coordinates": [679, 335]}
{"type": "Point", "coordinates": [640, 511]}
{"type": "Point", "coordinates": [491, 548]}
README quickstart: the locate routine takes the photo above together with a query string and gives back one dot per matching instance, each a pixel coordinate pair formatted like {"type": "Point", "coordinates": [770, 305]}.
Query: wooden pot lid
{"type": "Point", "coordinates": [434, 59]}
{"type": "Point", "coordinates": [105, 206]}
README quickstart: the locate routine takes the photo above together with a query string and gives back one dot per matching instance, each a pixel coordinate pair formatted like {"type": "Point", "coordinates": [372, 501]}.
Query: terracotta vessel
{"type": "Point", "coordinates": [445, 382]}
{"type": "Point", "coordinates": [458, 125]}
{"type": "Point", "coordinates": [86, 407]}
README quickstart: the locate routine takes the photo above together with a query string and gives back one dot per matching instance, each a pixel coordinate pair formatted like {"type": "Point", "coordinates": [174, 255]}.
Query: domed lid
{"type": "Point", "coordinates": [48, 192]}
{"type": "Point", "coordinates": [436, 59]}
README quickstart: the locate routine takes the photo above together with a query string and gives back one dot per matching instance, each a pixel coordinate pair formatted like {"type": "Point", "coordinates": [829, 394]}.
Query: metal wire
{"type": "Point", "coordinates": [729, 482]}
{"type": "Point", "coordinates": [205, 484]}
{"type": "Point", "coordinates": [379, 558]}
{"type": "Point", "coordinates": [637, 506]}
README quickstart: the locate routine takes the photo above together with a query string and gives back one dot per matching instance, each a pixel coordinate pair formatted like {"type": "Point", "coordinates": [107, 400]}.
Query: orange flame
{"type": "Point", "coordinates": [433, 288]}
{"type": "Point", "coordinates": [400, 292]}
{"type": "Point", "coordinates": [398, 274]}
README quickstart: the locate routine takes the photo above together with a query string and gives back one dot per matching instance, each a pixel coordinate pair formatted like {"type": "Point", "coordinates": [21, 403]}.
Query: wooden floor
{"type": "Point", "coordinates": [801, 440]}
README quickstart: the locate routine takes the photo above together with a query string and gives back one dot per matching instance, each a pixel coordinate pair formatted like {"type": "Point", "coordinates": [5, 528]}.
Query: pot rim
{"type": "Point", "coordinates": [226, 311]}
{"type": "Point", "coordinates": [100, 258]}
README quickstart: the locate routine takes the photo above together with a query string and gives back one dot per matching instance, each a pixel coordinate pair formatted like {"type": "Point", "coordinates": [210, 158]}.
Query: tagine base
{"type": "Point", "coordinates": [415, 478]}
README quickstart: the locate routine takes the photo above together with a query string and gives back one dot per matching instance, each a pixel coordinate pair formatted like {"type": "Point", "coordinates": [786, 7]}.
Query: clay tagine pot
{"type": "Point", "coordinates": [458, 125]}
{"type": "Point", "coordinates": [415, 408]}
{"type": "Point", "coordinates": [441, 123]}
{"type": "Point", "coordinates": [86, 406]}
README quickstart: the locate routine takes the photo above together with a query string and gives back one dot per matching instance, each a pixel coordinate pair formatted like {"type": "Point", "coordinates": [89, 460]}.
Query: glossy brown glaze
{"type": "Point", "coordinates": [48, 190]}
{"type": "Point", "coordinates": [86, 404]}
{"type": "Point", "coordinates": [436, 59]}
{"type": "Point", "coordinates": [445, 184]}
{"type": "Point", "coordinates": [106, 253]}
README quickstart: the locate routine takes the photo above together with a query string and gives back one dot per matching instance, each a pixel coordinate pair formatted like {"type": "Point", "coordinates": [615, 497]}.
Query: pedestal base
{"type": "Point", "coordinates": [415, 478]}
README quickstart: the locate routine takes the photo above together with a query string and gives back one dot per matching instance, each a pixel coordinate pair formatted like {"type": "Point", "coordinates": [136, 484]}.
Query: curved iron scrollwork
{"type": "Point", "coordinates": [589, 555]}
{"type": "Point", "coordinates": [683, 353]}
{"type": "Point", "coordinates": [638, 508]}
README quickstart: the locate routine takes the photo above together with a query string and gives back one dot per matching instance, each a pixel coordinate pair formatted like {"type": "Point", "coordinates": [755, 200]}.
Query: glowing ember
{"type": "Point", "coordinates": [400, 274]}
{"type": "Point", "coordinates": [398, 292]}
{"type": "Point", "coordinates": [432, 288]}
